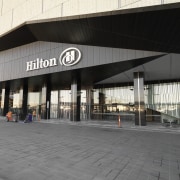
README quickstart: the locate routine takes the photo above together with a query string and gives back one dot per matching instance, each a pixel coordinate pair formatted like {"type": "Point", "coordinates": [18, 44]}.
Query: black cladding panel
{"type": "Point", "coordinates": [155, 28]}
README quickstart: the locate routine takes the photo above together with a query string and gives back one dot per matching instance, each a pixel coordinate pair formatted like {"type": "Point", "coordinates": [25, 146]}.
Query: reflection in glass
{"type": "Point", "coordinates": [34, 102]}
{"type": "Point", "coordinates": [60, 104]}
{"type": "Point", "coordinates": [15, 101]}
{"type": "Point", "coordinates": [83, 112]}
{"type": "Point", "coordinates": [164, 98]}
{"type": "Point", "coordinates": [64, 104]}
{"type": "Point", "coordinates": [54, 104]}
{"type": "Point", "coordinates": [109, 102]}
{"type": "Point", "coordinates": [2, 97]}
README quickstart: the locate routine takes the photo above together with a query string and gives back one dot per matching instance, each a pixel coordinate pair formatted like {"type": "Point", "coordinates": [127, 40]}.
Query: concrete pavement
{"type": "Point", "coordinates": [66, 151]}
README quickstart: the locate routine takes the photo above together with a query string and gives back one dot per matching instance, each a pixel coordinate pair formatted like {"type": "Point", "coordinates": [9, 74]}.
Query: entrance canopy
{"type": "Point", "coordinates": [155, 28]}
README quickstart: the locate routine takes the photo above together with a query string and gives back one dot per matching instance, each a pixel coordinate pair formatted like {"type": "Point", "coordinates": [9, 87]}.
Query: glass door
{"type": "Point", "coordinates": [64, 104]}
{"type": "Point", "coordinates": [60, 104]}
{"type": "Point", "coordinates": [34, 99]}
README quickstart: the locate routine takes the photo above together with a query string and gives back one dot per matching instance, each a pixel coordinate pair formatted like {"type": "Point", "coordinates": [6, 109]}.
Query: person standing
{"type": "Point", "coordinates": [9, 116]}
{"type": "Point", "coordinates": [34, 115]}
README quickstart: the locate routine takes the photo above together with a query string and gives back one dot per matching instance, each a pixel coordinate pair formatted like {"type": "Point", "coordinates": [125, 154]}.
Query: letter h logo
{"type": "Point", "coordinates": [70, 56]}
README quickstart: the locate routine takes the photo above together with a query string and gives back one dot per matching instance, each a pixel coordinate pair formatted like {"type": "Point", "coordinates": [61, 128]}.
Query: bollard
{"type": "Point", "coordinates": [119, 121]}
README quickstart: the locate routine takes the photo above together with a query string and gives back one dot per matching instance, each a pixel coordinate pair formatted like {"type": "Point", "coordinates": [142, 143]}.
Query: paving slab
{"type": "Point", "coordinates": [70, 151]}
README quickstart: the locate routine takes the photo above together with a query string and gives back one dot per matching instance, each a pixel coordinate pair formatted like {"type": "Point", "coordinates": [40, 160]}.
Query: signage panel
{"type": "Point", "coordinates": [69, 57]}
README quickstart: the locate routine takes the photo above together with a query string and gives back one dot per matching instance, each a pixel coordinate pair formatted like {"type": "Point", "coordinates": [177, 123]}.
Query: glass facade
{"type": "Point", "coordinates": [2, 98]}
{"type": "Point", "coordinates": [108, 103]}
{"type": "Point", "coordinates": [60, 104]}
{"type": "Point", "coordinates": [164, 98]}
{"type": "Point", "coordinates": [54, 104]}
{"type": "Point", "coordinates": [15, 101]}
{"type": "Point", "coordinates": [34, 99]}
{"type": "Point", "coordinates": [13, 98]}
{"type": "Point", "coordinates": [37, 101]}
{"type": "Point", "coordinates": [162, 101]}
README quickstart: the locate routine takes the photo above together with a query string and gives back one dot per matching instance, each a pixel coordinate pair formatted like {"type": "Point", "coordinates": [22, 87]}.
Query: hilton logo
{"type": "Point", "coordinates": [68, 57]}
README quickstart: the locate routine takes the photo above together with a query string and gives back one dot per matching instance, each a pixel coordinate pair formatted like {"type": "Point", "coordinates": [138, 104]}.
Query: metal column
{"type": "Point", "coordinates": [140, 118]}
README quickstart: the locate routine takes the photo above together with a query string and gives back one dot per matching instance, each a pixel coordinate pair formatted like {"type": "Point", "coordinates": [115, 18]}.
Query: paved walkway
{"type": "Point", "coordinates": [78, 151]}
{"type": "Point", "coordinates": [128, 125]}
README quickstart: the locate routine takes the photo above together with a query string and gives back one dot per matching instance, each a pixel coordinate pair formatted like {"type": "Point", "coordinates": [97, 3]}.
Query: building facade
{"type": "Point", "coordinates": [82, 59]}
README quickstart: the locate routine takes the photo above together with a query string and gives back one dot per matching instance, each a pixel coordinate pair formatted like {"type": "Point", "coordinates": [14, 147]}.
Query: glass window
{"type": "Point", "coordinates": [163, 98]}
{"type": "Point", "coordinates": [109, 102]}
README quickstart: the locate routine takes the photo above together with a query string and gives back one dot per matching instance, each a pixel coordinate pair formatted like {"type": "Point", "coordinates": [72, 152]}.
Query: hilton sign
{"type": "Point", "coordinates": [68, 57]}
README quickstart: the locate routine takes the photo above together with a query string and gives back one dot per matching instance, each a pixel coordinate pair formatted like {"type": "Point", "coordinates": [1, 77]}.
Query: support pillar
{"type": "Point", "coordinates": [45, 99]}
{"type": "Point", "coordinates": [101, 103]}
{"type": "Point", "coordinates": [6, 99]}
{"type": "Point", "coordinates": [75, 97]}
{"type": "Point", "coordinates": [48, 98]}
{"type": "Point", "coordinates": [140, 118]}
{"type": "Point", "coordinates": [24, 99]}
